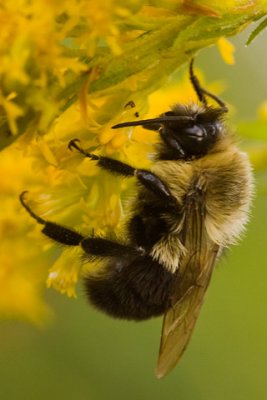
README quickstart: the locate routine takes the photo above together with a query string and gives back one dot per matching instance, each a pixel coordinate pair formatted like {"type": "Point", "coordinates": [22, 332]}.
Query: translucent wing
{"type": "Point", "coordinates": [192, 281]}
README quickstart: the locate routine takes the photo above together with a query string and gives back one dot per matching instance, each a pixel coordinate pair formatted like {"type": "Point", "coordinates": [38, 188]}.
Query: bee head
{"type": "Point", "coordinates": [187, 131]}
{"type": "Point", "coordinates": [195, 135]}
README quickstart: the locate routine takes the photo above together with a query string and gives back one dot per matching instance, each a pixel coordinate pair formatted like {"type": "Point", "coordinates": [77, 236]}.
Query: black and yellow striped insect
{"type": "Point", "coordinates": [191, 204]}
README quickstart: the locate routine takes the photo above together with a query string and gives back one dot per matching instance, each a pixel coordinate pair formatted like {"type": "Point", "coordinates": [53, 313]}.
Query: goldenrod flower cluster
{"type": "Point", "coordinates": [72, 69]}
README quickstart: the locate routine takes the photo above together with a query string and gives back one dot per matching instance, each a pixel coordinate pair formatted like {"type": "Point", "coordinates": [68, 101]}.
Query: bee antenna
{"type": "Point", "coordinates": [151, 121]}
{"type": "Point", "coordinates": [196, 85]}
{"type": "Point", "coordinates": [27, 208]}
{"type": "Point", "coordinates": [201, 92]}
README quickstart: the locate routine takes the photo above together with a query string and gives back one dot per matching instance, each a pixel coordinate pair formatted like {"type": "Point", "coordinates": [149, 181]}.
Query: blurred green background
{"type": "Point", "coordinates": [85, 355]}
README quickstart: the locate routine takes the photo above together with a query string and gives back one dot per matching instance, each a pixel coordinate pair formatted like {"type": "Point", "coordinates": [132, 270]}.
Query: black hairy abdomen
{"type": "Point", "coordinates": [132, 286]}
{"type": "Point", "coordinates": [135, 290]}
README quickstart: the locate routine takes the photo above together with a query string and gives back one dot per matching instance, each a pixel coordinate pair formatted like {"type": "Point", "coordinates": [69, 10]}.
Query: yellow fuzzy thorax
{"type": "Point", "coordinates": [225, 178]}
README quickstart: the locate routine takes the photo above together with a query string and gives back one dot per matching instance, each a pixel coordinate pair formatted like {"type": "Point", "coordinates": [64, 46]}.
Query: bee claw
{"type": "Point", "coordinates": [22, 195]}
{"type": "Point", "coordinates": [73, 145]}
{"type": "Point", "coordinates": [29, 210]}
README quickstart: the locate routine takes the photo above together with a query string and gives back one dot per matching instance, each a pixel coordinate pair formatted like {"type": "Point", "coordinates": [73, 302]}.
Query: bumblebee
{"type": "Point", "coordinates": [191, 204]}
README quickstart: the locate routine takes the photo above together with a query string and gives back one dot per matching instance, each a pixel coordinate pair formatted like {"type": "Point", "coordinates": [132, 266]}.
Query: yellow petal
{"type": "Point", "coordinates": [226, 49]}
{"type": "Point", "coordinates": [65, 272]}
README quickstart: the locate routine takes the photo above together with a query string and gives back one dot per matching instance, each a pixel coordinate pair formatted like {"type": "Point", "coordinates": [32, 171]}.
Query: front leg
{"type": "Point", "coordinates": [113, 166]}
{"type": "Point", "coordinates": [149, 180]}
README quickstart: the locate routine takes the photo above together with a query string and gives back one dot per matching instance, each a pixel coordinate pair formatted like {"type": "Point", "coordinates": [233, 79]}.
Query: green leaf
{"type": "Point", "coordinates": [257, 31]}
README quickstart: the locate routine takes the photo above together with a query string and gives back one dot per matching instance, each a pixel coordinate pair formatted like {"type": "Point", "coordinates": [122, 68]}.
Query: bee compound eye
{"type": "Point", "coordinates": [211, 129]}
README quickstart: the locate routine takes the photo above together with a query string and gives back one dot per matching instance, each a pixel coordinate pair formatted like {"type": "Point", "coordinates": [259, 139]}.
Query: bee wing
{"type": "Point", "coordinates": [192, 281]}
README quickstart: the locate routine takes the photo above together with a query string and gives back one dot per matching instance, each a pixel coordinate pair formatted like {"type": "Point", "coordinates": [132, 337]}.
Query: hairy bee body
{"type": "Point", "coordinates": [139, 286]}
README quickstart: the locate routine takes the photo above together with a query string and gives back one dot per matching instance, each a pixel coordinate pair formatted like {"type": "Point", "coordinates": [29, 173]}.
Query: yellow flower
{"type": "Point", "coordinates": [227, 50]}
{"type": "Point", "coordinates": [73, 70]}
{"type": "Point", "coordinates": [23, 262]}
{"type": "Point", "coordinates": [12, 110]}
{"type": "Point", "coordinates": [63, 275]}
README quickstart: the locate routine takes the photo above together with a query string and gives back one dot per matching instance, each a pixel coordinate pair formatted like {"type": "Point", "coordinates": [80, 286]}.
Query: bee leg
{"type": "Point", "coordinates": [54, 231]}
{"type": "Point", "coordinates": [101, 247]}
{"type": "Point", "coordinates": [92, 245]}
{"type": "Point", "coordinates": [154, 184]}
{"type": "Point", "coordinates": [113, 166]}
{"type": "Point", "coordinates": [147, 178]}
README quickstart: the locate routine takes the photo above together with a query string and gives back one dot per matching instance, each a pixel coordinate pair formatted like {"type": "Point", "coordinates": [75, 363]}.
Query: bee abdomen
{"type": "Point", "coordinates": [134, 289]}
